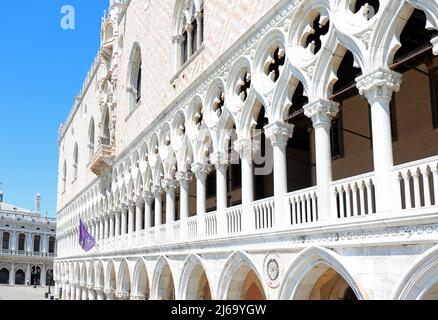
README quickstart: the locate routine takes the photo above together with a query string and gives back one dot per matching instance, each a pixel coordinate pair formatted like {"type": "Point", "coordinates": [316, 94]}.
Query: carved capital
{"type": "Point", "coordinates": [198, 15]}
{"type": "Point", "coordinates": [138, 298]}
{"type": "Point", "coordinates": [123, 295]}
{"type": "Point", "coordinates": [184, 178]}
{"type": "Point", "coordinates": [279, 132]}
{"type": "Point", "coordinates": [138, 200]}
{"type": "Point", "coordinates": [177, 39]}
{"type": "Point", "coordinates": [246, 148]}
{"type": "Point", "coordinates": [157, 191]}
{"type": "Point", "coordinates": [219, 160]}
{"type": "Point", "coordinates": [200, 170]}
{"type": "Point", "coordinates": [321, 112]}
{"type": "Point", "coordinates": [189, 27]}
{"type": "Point", "coordinates": [169, 185]}
{"type": "Point", "coordinates": [148, 197]}
{"type": "Point", "coordinates": [379, 84]}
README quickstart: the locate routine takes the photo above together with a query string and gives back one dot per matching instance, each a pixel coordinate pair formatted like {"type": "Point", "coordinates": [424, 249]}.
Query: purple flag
{"type": "Point", "coordinates": [86, 241]}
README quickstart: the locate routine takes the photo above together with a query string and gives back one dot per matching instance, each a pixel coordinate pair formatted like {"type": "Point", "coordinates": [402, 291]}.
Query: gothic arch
{"type": "Point", "coordinates": [141, 280]}
{"type": "Point", "coordinates": [124, 278]}
{"type": "Point", "coordinates": [307, 268]}
{"type": "Point", "coordinates": [420, 279]}
{"type": "Point", "coordinates": [192, 275]}
{"type": "Point", "coordinates": [163, 284]}
{"type": "Point", "coordinates": [110, 276]}
{"type": "Point", "coordinates": [233, 275]}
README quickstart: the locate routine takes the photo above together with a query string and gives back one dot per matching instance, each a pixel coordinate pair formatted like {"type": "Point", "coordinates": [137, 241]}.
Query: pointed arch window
{"type": "Point", "coordinates": [135, 78]}
{"type": "Point", "coordinates": [75, 162]}
{"type": "Point", "coordinates": [91, 139]}
{"type": "Point", "coordinates": [105, 139]}
{"type": "Point", "coordinates": [5, 245]}
{"type": "Point", "coordinates": [189, 31]}
{"type": "Point", "coordinates": [64, 177]}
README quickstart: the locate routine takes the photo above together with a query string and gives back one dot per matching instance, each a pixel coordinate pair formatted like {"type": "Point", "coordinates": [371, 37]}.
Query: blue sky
{"type": "Point", "coordinates": [42, 67]}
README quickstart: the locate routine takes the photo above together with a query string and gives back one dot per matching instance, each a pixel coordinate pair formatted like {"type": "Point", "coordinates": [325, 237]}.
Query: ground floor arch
{"type": "Point", "coordinates": [165, 288]}
{"type": "Point", "coordinates": [20, 277]}
{"type": "Point", "coordinates": [141, 281]}
{"type": "Point", "coordinates": [198, 286]}
{"type": "Point", "coordinates": [35, 276]}
{"type": "Point", "coordinates": [318, 274]}
{"type": "Point", "coordinates": [240, 280]}
{"type": "Point", "coordinates": [124, 282]}
{"type": "Point", "coordinates": [4, 276]}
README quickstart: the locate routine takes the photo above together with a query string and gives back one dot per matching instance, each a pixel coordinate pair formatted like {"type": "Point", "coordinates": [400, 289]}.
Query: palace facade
{"type": "Point", "coordinates": [28, 245]}
{"type": "Point", "coordinates": [247, 149]}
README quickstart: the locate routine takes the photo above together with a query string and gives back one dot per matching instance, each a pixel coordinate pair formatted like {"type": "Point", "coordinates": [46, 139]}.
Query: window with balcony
{"type": "Point", "coordinates": [91, 137]}
{"type": "Point", "coordinates": [52, 245]}
{"type": "Point", "coordinates": [75, 162]}
{"type": "Point", "coordinates": [6, 237]}
{"type": "Point", "coordinates": [135, 78]}
{"type": "Point", "coordinates": [21, 242]}
{"type": "Point", "coordinates": [36, 243]}
{"type": "Point", "coordinates": [188, 31]}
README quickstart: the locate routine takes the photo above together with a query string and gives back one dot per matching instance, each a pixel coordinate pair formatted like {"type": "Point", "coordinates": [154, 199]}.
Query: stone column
{"type": "Point", "coordinates": [200, 31]}
{"type": "Point", "coordinates": [279, 133]}
{"type": "Point", "coordinates": [43, 276]}
{"type": "Point", "coordinates": [178, 40]}
{"type": "Point", "coordinates": [84, 293]}
{"type": "Point", "coordinates": [158, 211]}
{"type": "Point", "coordinates": [27, 276]}
{"type": "Point", "coordinates": [138, 213]}
{"type": "Point", "coordinates": [12, 275]}
{"type": "Point", "coordinates": [245, 149]}
{"type": "Point", "coordinates": [101, 228]}
{"type": "Point", "coordinates": [106, 226]}
{"type": "Point", "coordinates": [124, 220]}
{"type": "Point", "coordinates": [91, 293]}
{"type": "Point", "coordinates": [169, 187]}
{"type": "Point", "coordinates": [378, 87]}
{"type": "Point", "coordinates": [200, 170]}
{"type": "Point", "coordinates": [117, 218]}
{"type": "Point", "coordinates": [111, 226]}
{"type": "Point", "coordinates": [220, 161]}
{"type": "Point", "coordinates": [110, 294]}
{"type": "Point", "coordinates": [78, 293]}
{"type": "Point", "coordinates": [322, 112]}
{"type": "Point", "coordinates": [189, 29]}
{"type": "Point", "coordinates": [148, 197]}
{"type": "Point", "coordinates": [131, 213]}
{"type": "Point", "coordinates": [184, 179]}
{"type": "Point", "coordinates": [100, 295]}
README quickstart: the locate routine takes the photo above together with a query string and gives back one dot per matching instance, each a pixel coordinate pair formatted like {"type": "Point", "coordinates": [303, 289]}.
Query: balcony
{"type": "Point", "coordinates": [353, 206]}
{"type": "Point", "coordinates": [102, 160]}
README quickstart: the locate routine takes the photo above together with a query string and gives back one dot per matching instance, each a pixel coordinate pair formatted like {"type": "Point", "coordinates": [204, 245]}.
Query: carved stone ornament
{"type": "Point", "coordinates": [380, 83]}
{"type": "Point", "coordinates": [321, 112]}
{"type": "Point", "coordinates": [279, 132]}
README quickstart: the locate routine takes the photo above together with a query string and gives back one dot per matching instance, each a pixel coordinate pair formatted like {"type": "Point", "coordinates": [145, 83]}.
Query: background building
{"type": "Point", "coordinates": [160, 157]}
{"type": "Point", "coordinates": [28, 245]}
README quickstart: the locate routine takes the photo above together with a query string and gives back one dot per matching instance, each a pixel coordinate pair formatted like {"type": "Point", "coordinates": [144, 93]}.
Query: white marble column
{"type": "Point", "coordinates": [138, 213]}
{"type": "Point", "coordinates": [78, 293]}
{"type": "Point", "coordinates": [279, 133]}
{"type": "Point", "coordinates": [322, 112]}
{"type": "Point", "coordinates": [84, 293]}
{"type": "Point", "coordinates": [200, 31]}
{"type": "Point", "coordinates": [378, 87]}
{"type": "Point", "coordinates": [91, 293]}
{"type": "Point", "coordinates": [117, 219]}
{"type": "Point", "coordinates": [100, 295]}
{"type": "Point", "coordinates": [245, 149]}
{"type": "Point", "coordinates": [220, 161]}
{"type": "Point", "coordinates": [184, 179]}
{"type": "Point", "coordinates": [131, 213]}
{"type": "Point", "coordinates": [111, 222]}
{"type": "Point", "coordinates": [189, 29]}
{"type": "Point", "coordinates": [158, 211]}
{"type": "Point", "coordinates": [148, 199]}
{"type": "Point", "coordinates": [124, 219]}
{"type": "Point", "coordinates": [106, 226]}
{"type": "Point", "coordinates": [101, 228]}
{"type": "Point", "coordinates": [169, 187]}
{"type": "Point", "coordinates": [200, 170]}
{"type": "Point", "coordinates": [12, 275]}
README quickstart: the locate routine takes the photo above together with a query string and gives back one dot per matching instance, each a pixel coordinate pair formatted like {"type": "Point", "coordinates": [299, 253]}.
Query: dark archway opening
{"type": "Point", "coordinates": [4, 276]}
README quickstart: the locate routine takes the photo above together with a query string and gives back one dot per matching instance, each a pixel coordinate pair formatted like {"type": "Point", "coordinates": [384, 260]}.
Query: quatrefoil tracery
{"type": "Point", "coordinates": [219, 103]}
{"type": "Point", "coordinates": [314, 33]}
{"type": "Point", "coordinates": [243, 85]}
{"type": "Point", "coordinates": [274, 63]}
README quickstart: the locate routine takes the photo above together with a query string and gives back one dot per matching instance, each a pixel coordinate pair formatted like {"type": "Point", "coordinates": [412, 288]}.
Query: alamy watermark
{"type": "Point", "coordinates": [68, 17]}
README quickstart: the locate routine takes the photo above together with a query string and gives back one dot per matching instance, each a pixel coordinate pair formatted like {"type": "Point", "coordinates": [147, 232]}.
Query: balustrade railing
{"type": "Point", "coordinates": [354, 197]}
{"type": "Point", "coordinates": [163, 235]}
{"type": "Point", "coordinates": [192, 228]}
{"type": "Point", "coordinates": [211, 224]}
{"type": "Point", "coordinates": [417, 184]}
{"type": "Point", "coordinates": [176, 231]}
{"type": "Point", "coordinates": [303, 206]}
{"type": "Point", "coordinates": [264, 214]}
{"type": "Point", "coordinates": [234, 220]}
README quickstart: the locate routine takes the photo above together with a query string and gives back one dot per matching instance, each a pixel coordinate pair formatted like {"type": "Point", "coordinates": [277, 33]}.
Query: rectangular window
{"type": "Point", "coordinates": [433, 80]}
{"type": "Point", "coordinates": [337, 137]}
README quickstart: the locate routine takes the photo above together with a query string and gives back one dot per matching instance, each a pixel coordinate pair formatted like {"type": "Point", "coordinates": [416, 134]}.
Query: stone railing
{"type": "Point", "coordinates": [303, 206]}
